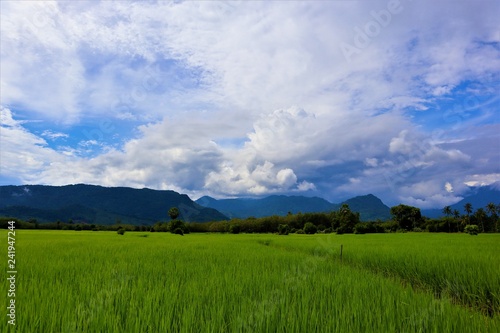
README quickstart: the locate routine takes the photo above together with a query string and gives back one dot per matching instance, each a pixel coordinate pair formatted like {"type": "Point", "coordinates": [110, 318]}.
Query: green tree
{"type": "Point", "coordinates": [176, 224]}
{"type": "Point", "coordinates": [310, 228]}
{"type": "Point", "coordinates": [456, 216]}
{"type": "Point", "coordinates": [234, 228]}
{"type": "Point", "coordinates": [447, 212]}
{"type": "Point", "coordinates": [407, 217]}
{"type": "Point", "coordinates": [173, 213]}
{"type": "Point", "coordinates": [283, 229]}
{"type": "Point", "coordinates": [480, 216]}
{"type": "Point", "coordinates": [491, 208]}
{"type": "Point", "coordinates": [468, 211]}
{"type": "Point", "coordinates": [345, 219]}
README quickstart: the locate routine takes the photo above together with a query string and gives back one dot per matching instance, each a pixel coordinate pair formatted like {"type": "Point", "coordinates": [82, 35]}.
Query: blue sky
{"type": "Point", "coordinates": [335, 99]}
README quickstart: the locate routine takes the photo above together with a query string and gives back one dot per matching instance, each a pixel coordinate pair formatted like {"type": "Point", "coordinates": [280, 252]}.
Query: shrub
{"type": "Point", "coordinates": [234, 228]}
{"type": "Point", "coordinates": [78, 228]}
{"type": "Point", "coordinates": [310, 228]}
{"type": "Point", "coordinates": [179, 231]}
{"type": "Point", "coordinates": [283, 229]}
{"type": "Point", "coordinates": [300, 231]}
{"type": "Point", "coordinates": [120, 231]}
{"type": "Point", "coordinates": [360, 228]}
{"type": "Point", "coordinates": [471, 229]}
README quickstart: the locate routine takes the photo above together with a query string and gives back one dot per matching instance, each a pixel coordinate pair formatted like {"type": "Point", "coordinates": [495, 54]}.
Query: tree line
{"type": "Point", "coordinates": [344, 220]}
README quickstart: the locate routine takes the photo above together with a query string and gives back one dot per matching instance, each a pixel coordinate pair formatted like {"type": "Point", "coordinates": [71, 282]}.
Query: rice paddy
{"type": "Point", "coordinates": [157, 282]}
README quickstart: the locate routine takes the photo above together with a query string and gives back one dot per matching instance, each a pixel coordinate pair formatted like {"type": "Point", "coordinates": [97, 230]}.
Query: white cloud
{"type": "Point", "coordinates": [54, 135]}
{"type": "Point", "coordinates": [196, 75]}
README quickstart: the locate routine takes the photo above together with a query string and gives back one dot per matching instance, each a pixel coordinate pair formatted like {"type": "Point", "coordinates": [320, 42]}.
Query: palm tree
{"type": "Point", "coordinates": [447, 212]}
{"type": "Point", "coordinates": [492, 210]}
{"type": "Point", "coordinates": [456, 215]}
{"type": "Point", "coordinates": [468, 210]}
{"type": "Point", "coordinates": [480, 216]}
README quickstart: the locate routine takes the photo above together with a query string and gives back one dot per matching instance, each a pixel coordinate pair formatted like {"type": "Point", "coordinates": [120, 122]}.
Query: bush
{"type": "Point", "coordinates": [300, 231]}
{"type": "Point", "coordinates": [78, 228]}
{"type": "Point", "coordinates": [283, 229]}
{"type": "Point", "coordinates": [120, 231]}
{"type": "Point", "coordinates": [360, 229]}
{"type": "Point", "coordinates": [179, 231]}
{"type": "Point", "coordinates": [234, 228]}
{"type": "Point", "coordinates": [471, 229]}
{"type": "Point", "coordinates": [310, 228]}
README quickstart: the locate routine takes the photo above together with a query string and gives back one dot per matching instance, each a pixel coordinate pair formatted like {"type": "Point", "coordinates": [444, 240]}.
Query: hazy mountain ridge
{"type": "Point", "coordinates": [478, 197]}
{"type": "Point", "coordinates": [97, 204]}
{"type": "Point", "coordinates": [369, 206]}
{"type": "Point", "coordinates": [272, 205]}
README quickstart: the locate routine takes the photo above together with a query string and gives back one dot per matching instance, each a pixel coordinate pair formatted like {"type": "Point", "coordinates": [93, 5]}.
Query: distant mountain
{"type": "Point", "coordinates": [272, 205]}
{"type": "Point", "coordinates": [478, 197]}
{"type": "Point", "coordinates": [99, 205]}
{"type": "Point", "coordinates": [369, 206]}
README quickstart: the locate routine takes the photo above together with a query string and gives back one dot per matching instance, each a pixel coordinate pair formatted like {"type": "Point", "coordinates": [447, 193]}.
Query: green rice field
{"type": "Point", "coordinates": [86, 281]}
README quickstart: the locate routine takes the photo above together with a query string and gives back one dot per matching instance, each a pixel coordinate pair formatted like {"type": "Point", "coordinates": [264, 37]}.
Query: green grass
{"type": "Point", "coordinates": [102, 282]}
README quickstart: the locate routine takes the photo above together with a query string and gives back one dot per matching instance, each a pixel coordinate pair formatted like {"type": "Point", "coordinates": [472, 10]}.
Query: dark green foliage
{"type": "Point", "coordinates": [310, 228]}
{"type": "Point", "coordinates": [173, 213]}
{"type": "Point", "coordinates": [234, 228]}
{"type": "Point", "coordinates": [407, 217]}
{"type": "Point", "coordinates": [178, 231]}
{"type": "Point", "coordinates": [344, 220]}
{"type": "Point", "coordinates": [300, 232]}
{"type": "Point", "coordinates": [175, 224]}
{"type": "Point", "coordinates": [283, 229]}
{"type": "Point", "coordinates": [120, 231]}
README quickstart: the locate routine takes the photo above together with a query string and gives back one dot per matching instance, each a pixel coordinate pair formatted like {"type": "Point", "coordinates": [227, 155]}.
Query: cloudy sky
{"type": "Point", "coordinates": [328, 98]}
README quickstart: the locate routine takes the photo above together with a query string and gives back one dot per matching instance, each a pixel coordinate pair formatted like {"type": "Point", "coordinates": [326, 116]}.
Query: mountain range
{"type": "Point", "coordinates": [109, 205]}
{"type": "Point", "coordinates": [99, 205]}
{"type": "Point", "coordinates": [369, 206]}
{"type": "Point", "coordinates": [478, 197]}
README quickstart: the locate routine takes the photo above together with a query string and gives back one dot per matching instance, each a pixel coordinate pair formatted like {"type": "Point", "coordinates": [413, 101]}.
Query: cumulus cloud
{"type": "Point", "coordinates": [251, 98]}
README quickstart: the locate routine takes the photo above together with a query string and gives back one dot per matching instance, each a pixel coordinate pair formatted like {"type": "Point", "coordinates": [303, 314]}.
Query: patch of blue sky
{"type": "Point", "coordinates": [86, 139]}
{"type": "Point", "coordinates": [471, 101]}
{"type": "Point", "coordinates": [231, 142]}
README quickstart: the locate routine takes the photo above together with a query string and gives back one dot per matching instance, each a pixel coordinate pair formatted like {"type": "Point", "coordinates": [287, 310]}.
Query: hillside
{"type": "Point", "coordinates": [272, 205]}
{"type": "Point", "coordinates": [100, 205]}
{"type": "Point", "coordinates": [369, 206]}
